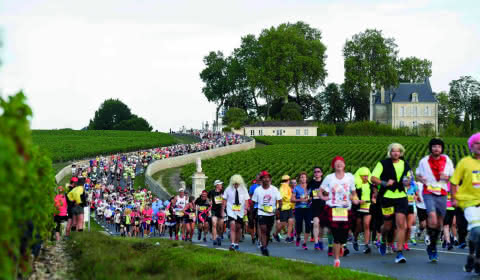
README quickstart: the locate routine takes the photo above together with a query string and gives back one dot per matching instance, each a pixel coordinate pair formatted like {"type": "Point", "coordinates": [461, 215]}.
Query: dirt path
{"type": "Point", "coordinates": [52, 262]}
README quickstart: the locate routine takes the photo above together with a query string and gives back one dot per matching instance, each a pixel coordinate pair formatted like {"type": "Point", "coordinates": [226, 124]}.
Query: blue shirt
{"type": "Point", "coordinates": [299, 192]}
{"type": "Point", "coordinates": [251, 191]}
{"type": "Point", "coordinates": [412, 189]}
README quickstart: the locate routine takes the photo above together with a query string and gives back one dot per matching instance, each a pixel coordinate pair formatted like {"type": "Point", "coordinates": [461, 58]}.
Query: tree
{"type": "Point", "coordinates": [335, 103]}
{"type": "Point", "coordinates": [235, 117]}
{"type": "Point", "coordinates": [463, 95]}
{"type": "Point", "coordinates": [370, 63]}
{"type": "Point", "coordinates": [318, 109]}
{"type": "Point", "coordinates": [135, 123]}
{"type": "Point", "coordinates": [414, 70]}
{"type": "Point", "coordinates": [444, 109]}
{"type": "Point", "coordinates": [215, 77]}
{"type": "Point", "coordinates": [292, 58]}
{"type": "Point", "coordinates": [110, 114]}
{"type": "Point", "coordinates": [291, 112]}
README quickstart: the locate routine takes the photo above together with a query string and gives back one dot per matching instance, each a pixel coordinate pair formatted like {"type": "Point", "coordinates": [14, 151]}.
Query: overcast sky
{"type": "Point", "coordinates": [69, 56]}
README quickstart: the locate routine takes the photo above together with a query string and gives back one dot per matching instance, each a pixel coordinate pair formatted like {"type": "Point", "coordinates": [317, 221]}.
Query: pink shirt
{"type": "Point", "coordinates": [147, 215]}
{"type": "Point", "coordinates": [61, 204]}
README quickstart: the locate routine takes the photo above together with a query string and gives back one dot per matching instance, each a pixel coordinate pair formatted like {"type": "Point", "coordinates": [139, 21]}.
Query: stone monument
{"type": "Point", "coordinates": [198, 180]}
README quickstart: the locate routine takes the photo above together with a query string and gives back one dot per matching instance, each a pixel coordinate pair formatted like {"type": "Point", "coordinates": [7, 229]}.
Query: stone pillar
{"type": "Point", "coordinates": [198, 180]}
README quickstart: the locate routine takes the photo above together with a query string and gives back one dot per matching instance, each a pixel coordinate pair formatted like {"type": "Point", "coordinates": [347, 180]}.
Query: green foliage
{"type": "Point", "coordinates": [414, 70]}
{"type": "Point", "coordinates": [227, 129]}
{"type": "Point", "coordinates": [464, 96]}
{"type": "Point", "coordinates": [335, 104]}
{"type": "Point", "coordinates": [113, 114]}
{"type": "Point", "coordinates": [329, 129]}
{"type": "Point", "coordinates": [292, 154]}
{"type": "Point", "coordinates": [367, 128]}
{"type": "Point", "coordinates": [291, 112]}
{"type": "Point", "coordinates": [27, 186]}
{"type": "Point", "coordinates": [64, 145]}
{"type": "Point", "coordinates": [235, 117]}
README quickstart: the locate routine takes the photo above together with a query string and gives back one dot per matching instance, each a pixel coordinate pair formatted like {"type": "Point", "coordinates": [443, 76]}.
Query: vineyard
{"type": "Point", "coordinates": [63, 145]}
{"type": "Point", "coordinates": [291, 155]}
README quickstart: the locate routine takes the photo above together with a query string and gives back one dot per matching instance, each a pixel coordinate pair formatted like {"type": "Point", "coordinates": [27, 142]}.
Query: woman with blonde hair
{"type": "Point", "coordinates": [235, 199]}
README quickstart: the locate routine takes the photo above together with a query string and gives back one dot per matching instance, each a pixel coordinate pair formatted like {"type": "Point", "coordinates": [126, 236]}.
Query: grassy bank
{"type": "Point", "coordinates": [165, 176]}
{"type": "Point", "coordinates": [97, 256]}
{"type": "Point", "coordinates": [65, 145]}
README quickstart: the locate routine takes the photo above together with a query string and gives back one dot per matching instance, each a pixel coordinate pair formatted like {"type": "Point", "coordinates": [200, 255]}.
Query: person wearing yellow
{"type": "Point", "coordinates": [77, 199]}
{"type": "Point", "coordinates": [388, 175]}
{"type": "Point", "coordinates": [286, 212]}
{"type": "Point", "coordinates": [465, 190]}
{"type": "Point", "coordinates": [364, 216]}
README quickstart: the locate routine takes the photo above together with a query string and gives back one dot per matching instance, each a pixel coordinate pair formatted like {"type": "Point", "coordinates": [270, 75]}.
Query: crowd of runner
{"type": "Point", "coordinates": [388, 208]}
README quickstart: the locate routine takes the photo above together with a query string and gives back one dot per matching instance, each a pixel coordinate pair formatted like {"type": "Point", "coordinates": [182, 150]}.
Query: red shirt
{"type": "Point", "coordinates": [437, 166]}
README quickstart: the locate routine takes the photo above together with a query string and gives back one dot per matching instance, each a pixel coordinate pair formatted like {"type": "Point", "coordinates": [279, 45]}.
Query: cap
{"type": "Point", "coordinates": [285, 177]}
{"type": "Point", "coordinates": [181, 190]}
{"type": "Point", "coordinates": [217, 182]}
{"type": "Point", "coordinates": [265, 173]}
{"type": "Point", "coordinates": [335, 159]}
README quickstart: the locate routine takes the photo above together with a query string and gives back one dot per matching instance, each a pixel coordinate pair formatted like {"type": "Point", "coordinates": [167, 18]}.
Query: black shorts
{"type": "Point", "coordinates": [217, 213]}
{"type": "Point", "coordinates": [411, 211]}
{"type": "Point", "coordinates": [285, 215]}
{"type": "Point", "coordinates": [340, 235]}
{"type": "Point", "coordinates": [266, 220]}
{"type": "Point", "coordinates": [316, 208]}
{"type": "Point", "coordinates": [421, 214]}
{"type": "Point", "coordinates": [179, 219]}
{"type": "Point", "coordinates": [448, 220]}
{"type": "Point", "coordinates": [391, 206]}
{"type": "Point", "coordinates": [238, 220]}
{"type": "Point", "coordinates": [252, 217]}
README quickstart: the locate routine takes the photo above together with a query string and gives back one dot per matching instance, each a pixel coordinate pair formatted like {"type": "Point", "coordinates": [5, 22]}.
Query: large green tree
{"type": "Point", "coordinates": [445, 109]}
{"type": "Point", "coordinates": [291, 112]}
{"type": "Point", "coordinates": [335, 104]}
{"type": "Point", "coordinates": [463, 94]}
{"type": "Point", "coordinates": [235, 117]}
{"type": "Point", "coordinates": [370, 63]}
{"type": "Point", "coordinates": [111, 113]}
{"type": "Point", "coordinates": [135, 123]}
{"type": "Point", "coordinates": [413, 69]}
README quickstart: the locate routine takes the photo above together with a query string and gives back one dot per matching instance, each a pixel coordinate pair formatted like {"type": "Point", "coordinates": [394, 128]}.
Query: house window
{"type": "Point", "coordinates": [402, 111]}
{"type": "Point", "coordinates": [252, 132]}
{"type": "Point", "coordinates": [260, 132]}
{"type": "Point", "coordinates": [427, 111]}
{"type": "Point", "coordinates": [305, 132]}
{"type": "Point", "coordinates": [298, 132]}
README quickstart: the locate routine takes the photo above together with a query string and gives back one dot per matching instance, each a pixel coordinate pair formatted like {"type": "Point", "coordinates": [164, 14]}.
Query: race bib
{"type": "Point", "coordinates": [218, 199]}
{"type": "Point", "coordinates": [365, 207]}
{"type": "Point", "coordinates": [179, 213]}
{"type": "Point", "coordinates": [236, 207]}
{"type": "Point", "coordinates": [136, 223]}
{"type": "Point", "coordinates": [192, 216]}
{"type": "Point", "coordinates": [202, 208]}
{"type": "Point", "coordinates": [267, 208]}
{"type": "Point", "coordinates": [476, 179]}
{"type": "Point", "coordinates": [315, 194]}
{"type": "Point", "coordinates": [411, 198]}
{"type": "Point", "coordinates": [388, 211]}
{"type": "Point", "coordinates": [340, 214]}
{"type": "Point", "coordinates": [148, 222]}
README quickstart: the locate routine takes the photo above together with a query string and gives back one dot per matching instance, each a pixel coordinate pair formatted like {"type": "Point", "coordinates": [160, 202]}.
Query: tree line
{"type": "Point", "coordinates": [280, 75]}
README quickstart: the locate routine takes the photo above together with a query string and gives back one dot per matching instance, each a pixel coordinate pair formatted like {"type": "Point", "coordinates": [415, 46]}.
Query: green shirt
{"type": "Point", "coordinates": [399, 168]}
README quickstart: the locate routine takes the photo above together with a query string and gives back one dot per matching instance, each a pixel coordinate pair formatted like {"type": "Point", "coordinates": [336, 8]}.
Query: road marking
{"type": "Point", "coordinates": [222, 249]}
{"type": "Point", "coordinates": [445, 252]}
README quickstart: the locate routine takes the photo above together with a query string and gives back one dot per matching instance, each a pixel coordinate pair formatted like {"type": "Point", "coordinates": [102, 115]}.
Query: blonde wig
{"type": "Point", "coordinates": [395, 146]}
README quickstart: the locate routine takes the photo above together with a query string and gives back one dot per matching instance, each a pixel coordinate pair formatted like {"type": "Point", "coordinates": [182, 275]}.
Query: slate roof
{"type": "Point", "coordinates": [403, 93]}
{"type": "Point", "coordinates": [281, 124]}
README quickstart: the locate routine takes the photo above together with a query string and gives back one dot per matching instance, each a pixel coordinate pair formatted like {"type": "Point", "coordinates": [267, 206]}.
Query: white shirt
{"type": "Point", "coordinates": [267, 200]}
{"type": "Point", "coordinates": [424, 170]}
{"type": "Point", "coordinates": [229, 196]}
{"type": "Point", "coordinates": [339, 190]}
{"type": "Point", "coordinates": [181, 203]}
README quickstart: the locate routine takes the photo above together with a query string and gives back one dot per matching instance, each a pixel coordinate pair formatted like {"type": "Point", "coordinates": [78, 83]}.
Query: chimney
{"type": "Point", "coordinates": [382, 95]}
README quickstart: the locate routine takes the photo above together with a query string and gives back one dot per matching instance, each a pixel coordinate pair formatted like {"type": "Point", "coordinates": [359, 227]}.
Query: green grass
{"type": "Point", "coordinates": [166, 174]}
{"type": "Point", "coordinates": [139, 182]}
{"type": "Point", "coordinates": [292, 155]}
{"type": "Point", "coordinates": [96, 256]}
{"type": "Point", "coordinates": [65, 145]}
{"type": "Point", "coordinates": [185, 139]}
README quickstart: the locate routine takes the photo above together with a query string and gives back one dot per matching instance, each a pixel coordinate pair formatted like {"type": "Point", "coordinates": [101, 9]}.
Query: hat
{"type": "Point", "coordinates": [74, 179]}
{"type": "Point", "coordinates": [435, 141]}
{"type": "Point", "coordinates": [285, 177]}
{"type": "Point", "coordinates": [265, 173]}
{"type": "Point", "coordinates": [217, 182]}
{"type": "Point", "coordinates": [204, 191]}
{"type": "Point", "coordinates": [181, 190]}
{"type": "Point", "coordinates": [335, 159]}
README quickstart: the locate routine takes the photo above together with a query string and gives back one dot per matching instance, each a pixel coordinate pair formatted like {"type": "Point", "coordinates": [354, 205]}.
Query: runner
{"type": "Point", "coordinates": [364, 215]}
{"type": "Point", "coordinates": [190, 218]}
{"type": "Point", "coordinates": [286, 212]}
{"type": "Point", "coordinates": [235, 201]}
{"type": "Point", "coordinates": [216, 200]}
{"type": "Point", "coordinates": [78, 199]}
{"type": "Point", "coordinates": [179, 203]}
{"type": "Point", "coordinates": [203, 208]}
{"type": "Point", "coordinates": [421, 215]}
{"type": "Point", "coordinates": [61, 213]}
{"type": "Point", "coordinates": [302, 210]}
{"type": "Point", "coordinates": [340, 187]}
{"type": "Point", "coordinates": [465, 191]}
{"type": "Point", "coordinates": [434, 171]}
{"type": "Point", "coordinates": [253, 211]}
{"type": "Point", "coordinates": [388, 176]}
{"type": "Point", "coordinates": [448, 222]}
{"type": "Point", "coordinates": [147, 214]}
{"type": "Point", "coordinates": [317, 206]}
{"type": "Point", "coordinates": [412, 197]}
{"type": "Point", "coordinates": [267, 197]}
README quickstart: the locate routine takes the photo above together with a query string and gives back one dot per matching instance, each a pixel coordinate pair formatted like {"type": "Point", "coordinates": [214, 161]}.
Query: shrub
{"type": "Point", "coordinates": [329, 129]}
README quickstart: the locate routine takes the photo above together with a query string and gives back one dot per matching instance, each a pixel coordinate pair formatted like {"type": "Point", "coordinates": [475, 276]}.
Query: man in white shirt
{"type": "Point", "coordinates": [235, 200]}
{"type": "Point", "coordinates": [267, 198]}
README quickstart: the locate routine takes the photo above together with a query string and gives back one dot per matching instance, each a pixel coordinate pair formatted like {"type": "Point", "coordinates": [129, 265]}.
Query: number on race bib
{"type": "Point", "coordinates": [218, 199]}
{"type": "Point", "coordinates": [411, 198]}
{"type": "Point", "coordinates": [148, 222]}
{"type": "Point", "coordinates": [340, 214]}
{"type": "Point", "coordinates": [365, 207]}
{"type": "Point", "coordinates": [192, 216]}
{"type": "Point", "coordinates": [267, 208]}
{"type": "Point", "coordinates": [476, 179]}
{"type": "Point", "coordinates": [179, 213]}
{"type": "Point", "coordinates": [388, 211]}
{"type": "Point", "coordinates": [202, 208]}
{"type": "Point", "coordinates": [236, 207]}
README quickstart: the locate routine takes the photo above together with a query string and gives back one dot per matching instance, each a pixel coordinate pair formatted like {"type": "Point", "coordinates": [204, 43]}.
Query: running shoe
{"type": "Point", "coordinates": [176, 237]}
{"type": "Point", "coordinates": [382, 249]}
{"type": "Point", "coordinates": [449, 246]}
{"type": "Point", "coordinates": [297, 243]}
{"type": "Point", "coordinates": [253, 240]}
{"type": "Point", "coordinates": [468, 267]}
{"type": "Point", "coordinates": [429, 253]}
{"type": "Point", "coordinates": [232, 247]}
{"type": "Point", "coordinates": [265, 252]}
{"type": "Point", "coordinates": [336, 263]}
{"type": "Point", "coordinates": [367, 250]}
{"type": "Point", "coordinates": [330, 251]}
{"type": "Point", "coordinates": [455, 242]}
{"type": "Point", "coordinates": [214, 242]}
{"type": "Point", "coordinates": [355, 246]}
{"type": "Point", "coordinates": [204, 239]}
{"type": "Point", "coordinates": [346, 252]}
{"type": "Point", "coordinates": [277, 238]}
{"type": "Point", "coordinates": [400, 258]}
{"type": "Point", "coordinates": [237, 248]}
{"type": "Point", "coordinates": [378, 244]}
{"type": "Point", "coordinates": [304, 246]}
{"type": "Point", "coordinates": [317, 247]}
{"type": "Point", "coordinates": [434, 256]}
{"type": "Point", "coordinates": [289, 240]}
{"type": "Point", "coordinates": [405, 247]}
{"type": "Point", "coordinates": [320, 245]}
{"type": "Point", "coordinates": [462, 245]}
{"type": "Point", "coordinates": [390, 250]}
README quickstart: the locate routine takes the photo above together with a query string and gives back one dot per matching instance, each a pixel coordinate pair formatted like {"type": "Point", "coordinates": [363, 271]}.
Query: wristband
{"type": "Point", "coordinates": [383, 183]}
